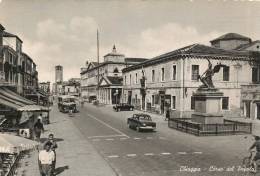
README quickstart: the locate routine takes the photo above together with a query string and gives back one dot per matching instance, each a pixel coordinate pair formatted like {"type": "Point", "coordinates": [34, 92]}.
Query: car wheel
{"type": "Point", "coordinates": [138, 129]}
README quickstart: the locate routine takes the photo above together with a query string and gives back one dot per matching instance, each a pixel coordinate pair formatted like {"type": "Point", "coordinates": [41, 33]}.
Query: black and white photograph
{"type": "Point", "coordinates": [129, 88]}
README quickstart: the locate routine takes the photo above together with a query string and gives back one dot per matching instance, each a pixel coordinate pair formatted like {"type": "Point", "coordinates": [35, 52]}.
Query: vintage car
{"type": "Point", "coordinates": [67, 103]}
{"type": "Point", "coordinates": [141, 122]}
{"type": "Point", "coordinates": [123, 107]}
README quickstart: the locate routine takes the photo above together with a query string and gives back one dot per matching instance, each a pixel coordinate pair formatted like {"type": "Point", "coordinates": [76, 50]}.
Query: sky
{"type": "Point", "coordinates": [63, 32]}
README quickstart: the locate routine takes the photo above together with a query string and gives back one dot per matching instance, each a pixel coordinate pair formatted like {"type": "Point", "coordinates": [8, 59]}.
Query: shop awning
{"type": "Point", "coordinates": [17, 102]}
{"type": "Point", "coordinates": [33, 108]}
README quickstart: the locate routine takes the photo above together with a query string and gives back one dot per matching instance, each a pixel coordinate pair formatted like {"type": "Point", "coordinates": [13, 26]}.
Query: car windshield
{"type": "Point", "coordinates": [145, 118]}
{"type": "Point", "coordinates": [68, 100]}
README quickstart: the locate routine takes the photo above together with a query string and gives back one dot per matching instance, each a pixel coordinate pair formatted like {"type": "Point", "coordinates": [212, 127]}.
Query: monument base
{"type": "Point", "coordinates": [205, 118]}
{"type": "Point", "coordinates": [207, 106]}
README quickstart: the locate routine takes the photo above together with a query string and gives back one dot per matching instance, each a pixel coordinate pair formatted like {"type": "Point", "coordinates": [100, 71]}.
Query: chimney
{"type": "Point", "coordinates": [1, 34]}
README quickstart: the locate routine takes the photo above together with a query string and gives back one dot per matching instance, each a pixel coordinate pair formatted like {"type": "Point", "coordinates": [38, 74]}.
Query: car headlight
{"type": "Point", "coordinates": [144, 124]}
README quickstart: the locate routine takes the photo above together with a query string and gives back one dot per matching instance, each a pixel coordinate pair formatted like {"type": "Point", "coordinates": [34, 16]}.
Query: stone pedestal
{"type": "Point", "coordinates": [207, 106]}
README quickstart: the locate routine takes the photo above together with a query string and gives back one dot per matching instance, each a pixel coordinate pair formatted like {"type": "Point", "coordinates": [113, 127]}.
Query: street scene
{"type": "Point", "coordinates": [129, 88]}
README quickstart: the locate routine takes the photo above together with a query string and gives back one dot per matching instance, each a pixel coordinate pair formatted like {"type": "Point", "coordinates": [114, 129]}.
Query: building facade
{"type": "Point", "coordinates": [169, 80]}
{"type": "Point", "coordinates": [45, 86]}
{"type": "Point", "coordinates": [17, 69]}
{"type": "Point", "coordinates": [103, 81]}
{"type": "Point", "coordinates": [72, 87]}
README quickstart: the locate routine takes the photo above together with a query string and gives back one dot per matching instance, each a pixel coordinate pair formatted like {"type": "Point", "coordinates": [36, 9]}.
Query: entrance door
{"type": "Point", "coordinates": [162, 104]}
{"type": "Point", "coordinates": [129, 100]}
{"type": "Point", "coordinates": [143, 102]}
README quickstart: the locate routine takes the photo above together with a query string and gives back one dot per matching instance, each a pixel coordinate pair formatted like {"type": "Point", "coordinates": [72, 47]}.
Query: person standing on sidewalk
{"type": "Point", "coordinates": [46, 159]}
{"type": "Point", "coordinates": [38, 129]}
{"type": "Point", "coordinates": [167, 115]}
{"type": "Point", "coordinates": [54, 146]}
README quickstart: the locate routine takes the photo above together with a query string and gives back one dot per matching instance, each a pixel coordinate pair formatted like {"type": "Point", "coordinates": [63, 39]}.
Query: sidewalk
{"type": "Point", "coordinates": [75, 155]}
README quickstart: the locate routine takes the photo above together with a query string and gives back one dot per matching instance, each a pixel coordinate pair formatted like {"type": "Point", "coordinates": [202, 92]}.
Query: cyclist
{"type": "Point", "coordinates": [256, 145]}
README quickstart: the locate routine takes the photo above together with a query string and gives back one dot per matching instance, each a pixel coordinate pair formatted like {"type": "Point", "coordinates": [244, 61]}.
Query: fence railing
{"type": "Point", "coordinates": [229, 127]}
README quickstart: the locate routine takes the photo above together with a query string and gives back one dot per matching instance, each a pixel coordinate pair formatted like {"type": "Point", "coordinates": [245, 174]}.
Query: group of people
{"type": "Point", "coordinates": [47, 156]}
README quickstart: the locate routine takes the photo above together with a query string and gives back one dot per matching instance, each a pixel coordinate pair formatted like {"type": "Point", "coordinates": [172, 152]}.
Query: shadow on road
{"type": "Point", "coordinates": [61, 169]}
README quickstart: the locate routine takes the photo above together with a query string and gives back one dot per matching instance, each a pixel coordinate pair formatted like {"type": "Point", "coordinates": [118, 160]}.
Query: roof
{"type": "Point", "coordinates": [242, 47]}
{"type": "Point", "coordinates": [115, 80]}
{"type": "Point", "coordinates": [7, 34]}
{"type": "Point", "coordinates": [195, 50]}
{"type": "Point", "coordinates": [231, 36]}
{"type": "Point", "coordinates": [111, 81]}
{"type": "Point", "coordinates": [133, 59]}
{"type": "Point", "coordinates": [2, 27]}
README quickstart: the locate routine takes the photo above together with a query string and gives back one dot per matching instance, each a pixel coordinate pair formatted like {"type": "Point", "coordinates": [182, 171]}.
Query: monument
{"type": "Point", "coordinates": [208, 99]}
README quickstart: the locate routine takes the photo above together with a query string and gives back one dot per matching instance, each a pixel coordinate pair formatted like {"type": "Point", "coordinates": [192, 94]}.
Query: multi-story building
{"type": "Point", "coordinates": [45, 87]}
{"type": "Point", "coordinates": [17, 69]}
{"type": "Point", "coordinates": [72, 87]}
{"type": "Point", "coordinates": [169, 80]}
{"type": "Point", "coordinates": [104, 80]}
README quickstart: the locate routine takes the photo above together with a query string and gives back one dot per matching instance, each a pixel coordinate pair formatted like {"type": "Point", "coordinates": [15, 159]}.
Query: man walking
{"type": "Point", "coordinates": [46, 159]}
{"type": "Point", "coordinates": [38, 129]}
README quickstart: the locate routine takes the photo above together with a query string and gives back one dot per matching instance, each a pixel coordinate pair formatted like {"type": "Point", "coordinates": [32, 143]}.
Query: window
{"type": "Point", "coordinates": [162, 71]}
{"type": "Point", "coordinates": [153, 75]}
{"type": "Point", "coordinates": [192, 103]}
{"type": "Point", "coordinates": [225, 103]}
{"type": "Point", "coordinates": [130, 79]}
{"type": "Point", "coordinates": [115, 70]}
{"type": "Point", "coordinates": [153, 100]}
{"type": "Point", "coordinates": [174, 72]}
{"type": "Point", "coordinates": [195, 72]}
{"type": "Point", "coordinates": [136, 80]}
{"type": "Point", "coordinates": [173, 102]}
{"type": "Point", "coordinates": [255, 74]}
{"type": "Point", "coordinates": [125, 80]}
{"type": "Point", "coordinates": [226, 73]}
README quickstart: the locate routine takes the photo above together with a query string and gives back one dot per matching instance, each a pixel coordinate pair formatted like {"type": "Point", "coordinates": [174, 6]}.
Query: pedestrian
{"type": "Point", "coordinates": [40, 117]}
{"type": "Point", "coordinates": [54, 146]}
{"type": "Point", "coordinates": [38, 129]}
{"type": "Point", "coordinates": [46, 159]}
{"type": "Point", "coordinates": [167, 115]}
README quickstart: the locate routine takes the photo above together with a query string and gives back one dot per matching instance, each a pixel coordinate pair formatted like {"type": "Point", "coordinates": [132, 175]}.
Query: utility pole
{"type": "Point", "coordinates": [98, 63]}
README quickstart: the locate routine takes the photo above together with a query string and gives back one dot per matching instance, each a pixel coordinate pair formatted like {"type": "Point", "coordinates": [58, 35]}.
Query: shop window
{"type": "Point", "coordinates": [173, 102]}
{"type": "Point", "coordinates": [136, 78]}
{"type": "Point", "coordinates": [192, 103]}
{"type": "Point", "coordinates": [130, 79]}
{"type": "Point", "coordinates": [225, 103]}
{"type": "Point", "coordinates": [226, 73]}
{"type": "Point", "coordinates": [174, 72]}
{"type": "Point", "coordinates": [195, 72]}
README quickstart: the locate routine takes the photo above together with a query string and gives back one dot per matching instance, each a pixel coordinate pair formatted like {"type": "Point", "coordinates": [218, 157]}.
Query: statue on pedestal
{"type": "Point", "coordinates": [206, 77]}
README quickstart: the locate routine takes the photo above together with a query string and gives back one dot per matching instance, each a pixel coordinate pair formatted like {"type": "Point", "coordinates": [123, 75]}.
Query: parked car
{"type": "Point", "coordinates": [123, 107]}
{"type": "Point", "coordinates": [67, 103]}
{"type": "Point", "coordinates": [141, 122]}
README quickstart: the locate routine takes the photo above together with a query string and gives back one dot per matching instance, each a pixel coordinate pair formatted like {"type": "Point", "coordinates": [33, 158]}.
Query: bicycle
{"type": "Point", "coordinates": [248, 163]}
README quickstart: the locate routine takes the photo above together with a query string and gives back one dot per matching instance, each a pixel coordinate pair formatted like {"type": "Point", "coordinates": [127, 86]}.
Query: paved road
{"type": "Point", "coordinates": [161, 153]}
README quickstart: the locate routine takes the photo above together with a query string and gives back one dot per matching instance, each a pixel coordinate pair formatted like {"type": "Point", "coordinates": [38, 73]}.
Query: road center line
{"type": "Point", "coordinates": [131, 155]}
{"type": "Point", "coordinates": [96, 140]}
{"type": "Point", "coordinates": [109, 139]}
{"type": "Point", "coordinates": [113, 156]}
{"type": "Point", "coordinates": [165, 153]}
{"type": "Point", "coordinates": [182, 153]}
{"type": "Point", "coordinates": [148, 154]}
{"type": "Point", "coordinates": [197, 152]}
{"type": "Point", "coordinates": [105, 136]}
{"type": "Point", "coordinates": [137, 138]}
{"type": "Point", "coordinates": [91, 116]}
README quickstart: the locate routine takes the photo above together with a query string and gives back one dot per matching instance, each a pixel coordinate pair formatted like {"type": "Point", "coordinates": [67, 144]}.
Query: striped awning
{"type": "Point", "coordinates": [17, 102]}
